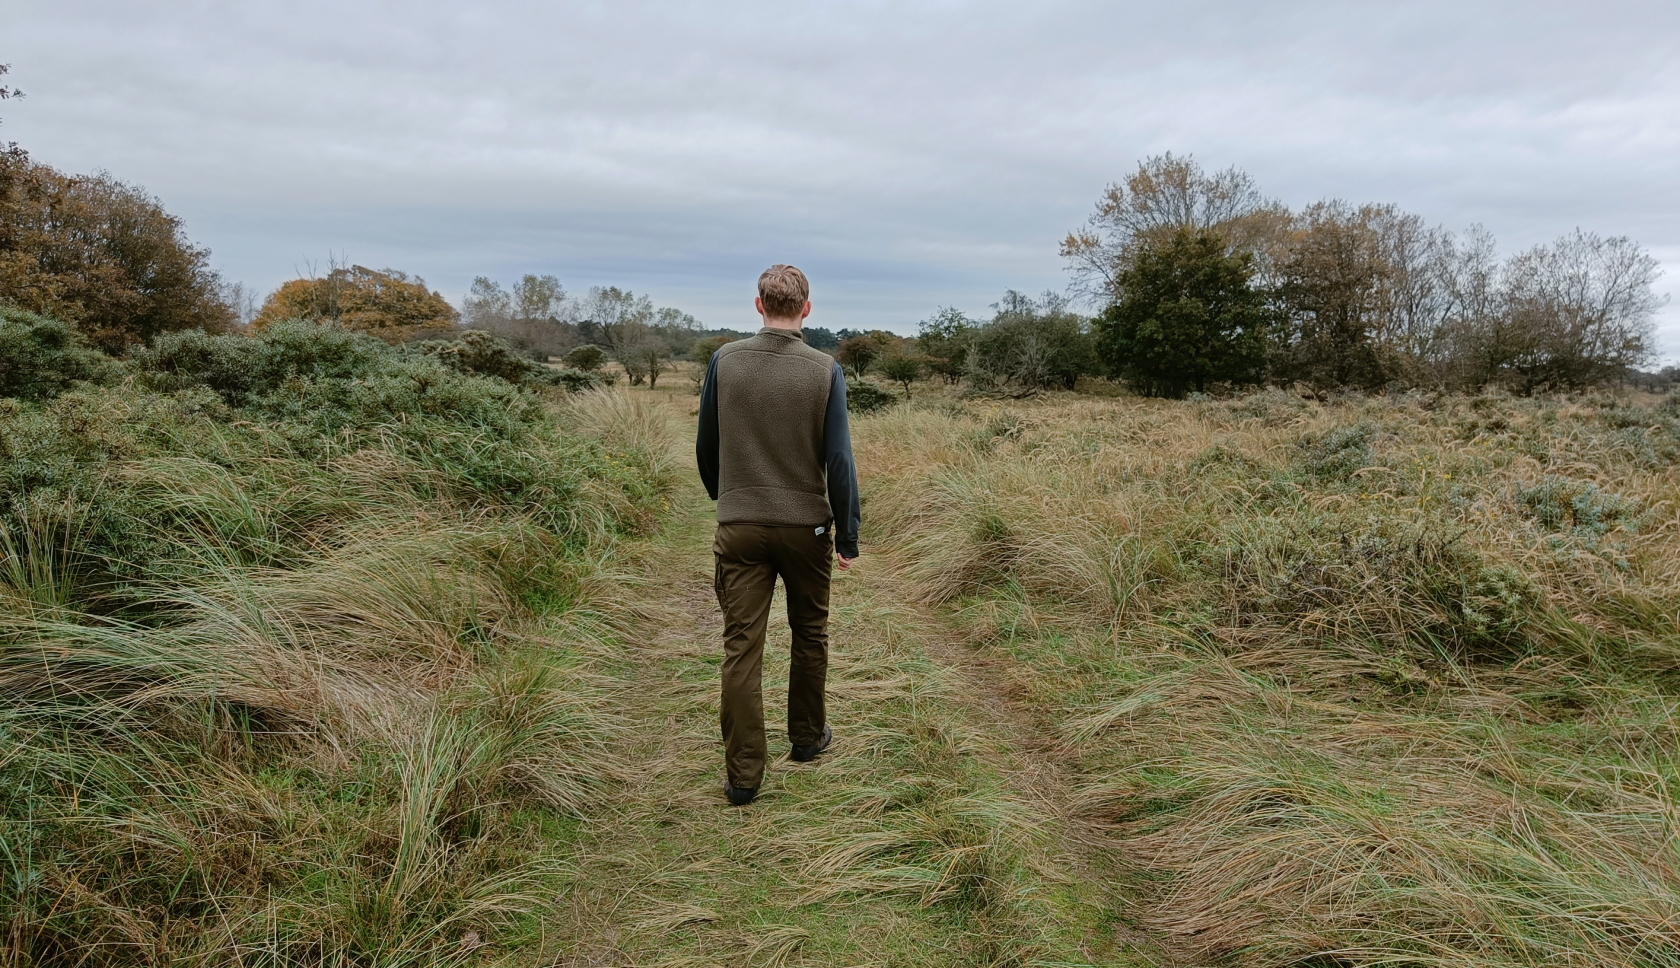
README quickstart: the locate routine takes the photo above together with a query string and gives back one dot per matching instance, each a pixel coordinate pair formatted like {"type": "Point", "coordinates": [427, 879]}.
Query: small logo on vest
{"type": "Point", "coordinates": [821, 530]}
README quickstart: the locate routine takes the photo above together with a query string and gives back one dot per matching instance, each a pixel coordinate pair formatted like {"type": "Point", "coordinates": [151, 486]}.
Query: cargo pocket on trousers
{"type": "Point", "coordinates": [717, 578]}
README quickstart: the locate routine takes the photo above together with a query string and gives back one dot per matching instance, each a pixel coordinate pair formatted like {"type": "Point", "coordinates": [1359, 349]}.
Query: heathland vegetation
{"type": "Point", "coordinates": [276, 681]}
{"type": "Point", "coordinates": [1370, 681]}
{"type": "Point", "coordinates": [335, 632]}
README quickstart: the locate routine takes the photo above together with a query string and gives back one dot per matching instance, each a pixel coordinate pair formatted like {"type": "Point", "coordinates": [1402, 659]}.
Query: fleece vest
{"type": "Point", "coordinates": [773, 395]}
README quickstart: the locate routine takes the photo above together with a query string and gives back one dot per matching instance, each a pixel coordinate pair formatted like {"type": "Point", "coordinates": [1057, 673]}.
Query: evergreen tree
{"type": "Point", "coordinates": [1187, 316]}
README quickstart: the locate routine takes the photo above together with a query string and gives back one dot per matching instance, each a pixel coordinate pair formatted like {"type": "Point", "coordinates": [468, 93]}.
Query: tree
{"type": "Point", "coordinates": [487, 305]}
{"type": "Point", "coordinates": [944, 340]}
{"type": "Point", "coordinates": [1333, 295]}
{"type": "Point", "coordinates": [533, 316]}
{"type": "Point", "coordinates": [819, 338]}
{"type": "Point", "coordinates": [618, 319]}
{"type": "Point", "coordinates": [1188, 317]}
{"type": "Point", "coordinates": [678, 329]}
{"type": "Point", "coordinates": [387, 304]}
{"type": "Point", "coordinates": [538, 297]}
{"type": "Point", "coordinates": [644, 358]}
{"type": "Point", "coordinates": [1363, 296]}
{"type": "Point", "coordinates": [101, 255]}
{"type": "Point", "coordinates": [1032, 345]}
{"type": "Point", "coordinates": [588, 358]}
{"type": "Point", "coordinates": [8, 92]}
{"type": "Point", "coordinates": [1475, 335]}
{"type": "Point", "coordinates": [1165, 194]}
{"type": "Point", "coordinates": [858, 353]}
{"type": "Point", "coordinates": [902, 368]}
{"type": "Point", "coordinates": [1582, 312]}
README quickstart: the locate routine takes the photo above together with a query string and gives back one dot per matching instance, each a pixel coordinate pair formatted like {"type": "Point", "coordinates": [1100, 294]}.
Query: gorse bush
{"type": "Point", "coordinates": [1582, 507]}
{"type": "Point", "coordinates": [863, 396]}
{"type": "Point", "coordinates": [331, 377]}
{"type": "Point", "coordinates": [41, 357]}
{"type": "Point", "coordinates": [1334, 456]}
{"type": "Point", "coordinates": [241, 369]}
{"type": "Point", "coordinates": [480, 354]}
{"type": "Point", "coordinates": [265, 614]}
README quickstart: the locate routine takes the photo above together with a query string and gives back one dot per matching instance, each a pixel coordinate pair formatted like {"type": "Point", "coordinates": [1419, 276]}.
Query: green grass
{"type": "Point", "coordinates": [279, 679]}
{"type": "Point", "coordinates": [912, 842]}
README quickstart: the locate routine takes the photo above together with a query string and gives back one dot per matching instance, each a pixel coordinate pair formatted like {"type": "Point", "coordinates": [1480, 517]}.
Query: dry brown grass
{"type": "Point", "coordinates": [1371, 682]}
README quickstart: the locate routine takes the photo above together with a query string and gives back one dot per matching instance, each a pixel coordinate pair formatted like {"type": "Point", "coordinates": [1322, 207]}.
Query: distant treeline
{"type": "Point", "coordinates": [1199, 281]}
{"type": "Point", "coordinates": [1204, 280]}
{"type": "Point", "coordinates": [541, 318]}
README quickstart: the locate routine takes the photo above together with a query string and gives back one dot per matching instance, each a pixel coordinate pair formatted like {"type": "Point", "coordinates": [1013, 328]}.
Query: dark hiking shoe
{"type": "Point", "coordinates": [739, 796]}
{"type": "Point", "coordinates": [806, 754]}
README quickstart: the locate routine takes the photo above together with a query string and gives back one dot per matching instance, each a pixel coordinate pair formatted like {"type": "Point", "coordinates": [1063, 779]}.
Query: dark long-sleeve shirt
{"type": "Point", "coordinates": [838, 468]}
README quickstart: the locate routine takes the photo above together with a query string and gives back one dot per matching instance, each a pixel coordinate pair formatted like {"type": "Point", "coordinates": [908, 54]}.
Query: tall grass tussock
{"type": "Point", "coordinates": [276, 683]}
{"type": "Point", "coordinates": [1384, 680]}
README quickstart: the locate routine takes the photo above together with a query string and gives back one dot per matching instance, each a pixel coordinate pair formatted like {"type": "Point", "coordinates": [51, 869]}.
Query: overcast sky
{"type": "Point", "coordinates": [907, 155]}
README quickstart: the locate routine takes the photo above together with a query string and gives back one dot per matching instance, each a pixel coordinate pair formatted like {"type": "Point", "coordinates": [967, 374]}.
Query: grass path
{"type": "Point", "coordinates": [933, 833]}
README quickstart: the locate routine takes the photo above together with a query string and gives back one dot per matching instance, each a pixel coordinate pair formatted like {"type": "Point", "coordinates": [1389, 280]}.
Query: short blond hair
{"type": "Point", "coordinates": [784, 290]}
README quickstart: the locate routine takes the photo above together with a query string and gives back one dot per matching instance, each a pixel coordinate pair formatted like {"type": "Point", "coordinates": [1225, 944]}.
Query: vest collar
{"type": "Point", "coordinates": [798, 334]}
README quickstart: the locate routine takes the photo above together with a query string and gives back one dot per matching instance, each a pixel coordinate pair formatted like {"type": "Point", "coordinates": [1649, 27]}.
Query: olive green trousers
{"type": "Point", "coordinates": [749, 559]}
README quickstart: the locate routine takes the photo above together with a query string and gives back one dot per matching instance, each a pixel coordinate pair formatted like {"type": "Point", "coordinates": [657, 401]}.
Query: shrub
{"type": "Point", "coordinates": [387, 304]}
{"type": "Point", "coordinates": [1562, 505]}
{"type": "Point", "coordinates": [1033, 345]}
{"type": "Point", "coordinates": [478, 353]}
{"type": "Point", "coordinates": [400, 389]}
{"type": "Point", "coordinates": [228, 364]}
{"type": "Point", "coordinates": [865, 397]}
{"type": "Point", "coordinates": [577, 381]}
{"type": "Point", "coordinates": [1270, 406]}
{"type": "Point", "coordinates": [587, 358]}
{"type": "Point", "coordinates": [41, 357]}
{"type": "Point", "coordinates": [326, 378]}
{"type": "Point", "coordinates": [1389, 585]}
{"type": "Point", "coordinates": [240, 368]}
{"type": "Point", "coordinates": [1333, 457]}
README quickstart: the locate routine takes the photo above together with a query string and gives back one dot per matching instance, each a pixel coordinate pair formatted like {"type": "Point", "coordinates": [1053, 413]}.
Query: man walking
{"type": "Point", "coordinates": [776, 454]}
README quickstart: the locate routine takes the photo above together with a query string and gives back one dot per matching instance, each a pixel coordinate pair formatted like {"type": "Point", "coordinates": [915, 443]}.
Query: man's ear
{"type": "Point", "coordinates": [758, 304]}
{"type": "Point", "coordinates": [807, 311]}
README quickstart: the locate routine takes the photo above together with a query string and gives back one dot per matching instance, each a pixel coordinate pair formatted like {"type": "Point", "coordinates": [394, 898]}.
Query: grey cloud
{"type": "Point", "coordinates": [907, 154]}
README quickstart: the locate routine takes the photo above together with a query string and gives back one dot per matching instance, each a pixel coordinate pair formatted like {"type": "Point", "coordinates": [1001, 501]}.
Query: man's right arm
{"type": "Point", "coordinates": [706, 442]}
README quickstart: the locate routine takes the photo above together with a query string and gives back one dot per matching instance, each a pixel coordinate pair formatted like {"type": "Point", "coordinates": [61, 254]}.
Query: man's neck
{"type": "Point", "coordinates": [788, 324]}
